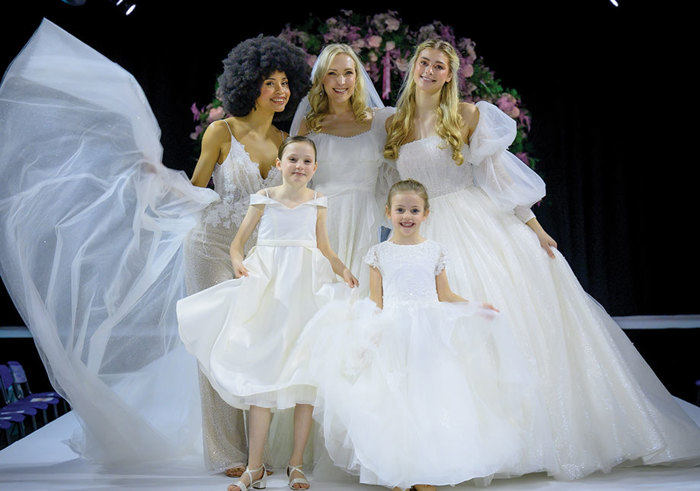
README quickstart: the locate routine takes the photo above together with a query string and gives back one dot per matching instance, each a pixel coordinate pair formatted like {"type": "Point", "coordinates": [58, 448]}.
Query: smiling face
{"type": "Point", "coordinates": [298, 163]}
{"type": "Point", "coordinates": [274, 93]}
{"type": "Point", "coordinates": [339, 81]}
{"type": "Point", "coordinates": [432, 70]}
{"type": "Point", "coordinates": [407, 212]}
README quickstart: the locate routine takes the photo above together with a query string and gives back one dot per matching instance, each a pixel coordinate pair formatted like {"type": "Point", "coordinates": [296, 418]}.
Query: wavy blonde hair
{"type": "Point", "coordinates": [449, 121]}
{"type": "Point", "coordinates": [318, 100]}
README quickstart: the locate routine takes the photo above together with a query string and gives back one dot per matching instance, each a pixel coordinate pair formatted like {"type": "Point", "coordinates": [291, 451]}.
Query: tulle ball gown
{"type": "Point", "coordinates": [421, 391]}
{"type": "Point", "coordinates": [604, 405]}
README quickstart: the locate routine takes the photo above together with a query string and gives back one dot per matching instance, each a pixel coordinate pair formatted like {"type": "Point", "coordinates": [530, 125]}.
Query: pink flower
{"type": "Point", "coordinates": [215, 114]}
{"type": "Point", "coordinates": [523, 156]}
{"type": "Point", "coordinates": [196, 112]}
{"type": "Point", "coordinates": [390, 45]}
{"type": "Point", "coordinates": [374, 41]}
{"type": "Point", "coordinates": [392, 24]}
{"type": "Point", "coordinates": [507, 104]}
{"type": "Point", "coordinates": [466, 70]}
{"type": "Point", "coordinates": [358, 45]}
{"type": "Point", "coordinates": [373, 56]}
{"type": "Point", "coordinates": [197, 130]}
{"type": "Point", "coordinates": [311, 59]}
{"type": "Point", "coordinates": [402, 64]}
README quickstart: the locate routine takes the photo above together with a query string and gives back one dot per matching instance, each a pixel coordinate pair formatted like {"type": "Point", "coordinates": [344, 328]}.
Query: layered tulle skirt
{"type": "Point", "coordinates": [432, 393]}
{"type": "Point", "coordinates": [603, 404]}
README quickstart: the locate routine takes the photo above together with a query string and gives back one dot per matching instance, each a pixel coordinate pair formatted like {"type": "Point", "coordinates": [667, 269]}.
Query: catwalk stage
{"type": "Point", "coordinates": [43, 461]}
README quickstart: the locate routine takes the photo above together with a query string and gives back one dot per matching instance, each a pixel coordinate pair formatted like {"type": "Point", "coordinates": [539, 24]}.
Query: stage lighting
{"type": "Point", "coordinates": [614, 2]}
{"type": "Point", "coordinates": [125, 6]}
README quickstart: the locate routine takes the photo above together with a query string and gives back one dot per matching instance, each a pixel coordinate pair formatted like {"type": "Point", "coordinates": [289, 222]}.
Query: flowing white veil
{"type": "Point", "coordinates": [372, 98]}
{"type": "Point", "coordinates": [92, 226]}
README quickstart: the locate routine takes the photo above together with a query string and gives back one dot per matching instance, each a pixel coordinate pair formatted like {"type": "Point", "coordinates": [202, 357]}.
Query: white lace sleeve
{"type": "Point", "coordinates": [503, 176]}
{"type": "Point", "coordinates": [441, 262]}
{"type": "Point", "coordinates": [372, 257]}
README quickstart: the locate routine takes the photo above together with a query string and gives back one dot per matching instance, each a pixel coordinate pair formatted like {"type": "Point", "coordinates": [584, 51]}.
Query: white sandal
{"type": "Point", "coordinates": [296, 480]}
{"type": "Point", "coordinates": [254, 484]}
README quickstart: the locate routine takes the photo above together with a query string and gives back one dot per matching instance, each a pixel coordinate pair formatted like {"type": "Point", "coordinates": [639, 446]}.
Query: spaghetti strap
{"type": "Point", "coordinates": [315, 194]}
{"type": "Point", "coordinates": [229, 127]}
{"type": "Point", "coordinates": [266, 193]}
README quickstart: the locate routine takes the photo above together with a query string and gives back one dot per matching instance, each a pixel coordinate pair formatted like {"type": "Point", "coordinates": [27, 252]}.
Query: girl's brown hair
{"type": "Point", "coordinates": [296, 139]}
{"type": "Point", "coordinates": [408, 185]}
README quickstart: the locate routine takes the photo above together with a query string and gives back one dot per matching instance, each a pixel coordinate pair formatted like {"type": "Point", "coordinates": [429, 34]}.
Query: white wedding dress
{"type": "Point", "coordinates": [421, 391]}
{"type": "Point", "coordinates": [354, 175]}
{"type": "Point", "coordinates": [604, 405]}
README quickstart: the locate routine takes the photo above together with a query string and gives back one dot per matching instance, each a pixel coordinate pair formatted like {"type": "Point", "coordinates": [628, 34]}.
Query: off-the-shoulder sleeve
{"type": "Point", "coordinates": [372, 257]}
{"type": "Point", "coordinates": [503, 176]}
{"type": "Point", "coordinates": [321, 201]}
{"type": "Point", "coordinates": [442, 260]}
{"type": "Point", "coordinates": [258, 199]}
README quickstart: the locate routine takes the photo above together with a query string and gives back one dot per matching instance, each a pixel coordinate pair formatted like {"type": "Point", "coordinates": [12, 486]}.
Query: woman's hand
{"type": "Point", "coordinates": [546, 242]}
{"type": "Point", "coordinates": [350, 279]}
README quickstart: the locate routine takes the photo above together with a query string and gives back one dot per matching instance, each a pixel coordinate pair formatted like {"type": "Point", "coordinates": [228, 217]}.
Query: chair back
{"type": "Point", "coordinates": [21, 383]}
{"type": "Point", "coordinates": [7, 384]}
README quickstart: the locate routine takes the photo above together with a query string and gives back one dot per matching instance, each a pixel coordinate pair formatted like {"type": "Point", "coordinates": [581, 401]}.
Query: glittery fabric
{"type": "Point", "coordinates": [207, 263]}
{"type": "Point", "coordinates": [604, 405]}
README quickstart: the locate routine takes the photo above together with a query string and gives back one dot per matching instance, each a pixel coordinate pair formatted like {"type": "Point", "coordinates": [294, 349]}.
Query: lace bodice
{"type": "Point", "coordinates": [235, 179]}
{"type": "Point", "coordinates": [429, 161]}
{"type": "Point", "coordinates": [408, 271]}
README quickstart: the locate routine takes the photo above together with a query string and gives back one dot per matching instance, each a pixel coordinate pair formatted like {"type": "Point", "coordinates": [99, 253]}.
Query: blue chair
{"type": "Point", "coordinates": [40, 400]}
{"type": "Point", "coordinates": [12, 411]}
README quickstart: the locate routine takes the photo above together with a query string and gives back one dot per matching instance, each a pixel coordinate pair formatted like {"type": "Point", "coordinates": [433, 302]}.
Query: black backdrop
{"type": "Point", "coordinates": [606, 88]}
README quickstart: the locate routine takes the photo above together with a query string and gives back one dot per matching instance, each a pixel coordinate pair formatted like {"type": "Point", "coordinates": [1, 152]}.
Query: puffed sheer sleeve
{"type": "Point", "coordinates": [503, 176]}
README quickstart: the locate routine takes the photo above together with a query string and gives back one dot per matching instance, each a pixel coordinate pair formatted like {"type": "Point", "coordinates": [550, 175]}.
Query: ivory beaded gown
{"type": "Point", "coordinates": [207, 263]}
{"type": "Point", "coordinates": [604, 405]}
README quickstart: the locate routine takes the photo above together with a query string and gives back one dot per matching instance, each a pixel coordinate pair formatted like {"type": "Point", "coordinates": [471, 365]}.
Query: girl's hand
{"type": "Point", "coordinates": [239, 270]}
{"type": "Point", "coordinates": [546, 242]}
{"type": "Point", "coordinates": [488, 306]}
{"type": "Point", "coordinates": [349, 279]}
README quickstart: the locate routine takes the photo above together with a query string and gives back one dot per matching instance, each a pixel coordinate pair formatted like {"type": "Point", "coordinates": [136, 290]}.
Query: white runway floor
{"type": "Point", "coordinates": [41, 461]}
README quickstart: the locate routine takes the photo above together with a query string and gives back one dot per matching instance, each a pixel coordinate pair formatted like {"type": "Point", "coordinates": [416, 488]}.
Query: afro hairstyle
{"type": "Point", "coordinates": [250, 63]}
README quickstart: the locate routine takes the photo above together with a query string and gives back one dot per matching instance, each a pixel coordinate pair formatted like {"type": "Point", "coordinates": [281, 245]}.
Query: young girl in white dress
{"type": "Point", "coordinates": [243, 331]}
{"type": "Point", "coordinates": [431, 388]}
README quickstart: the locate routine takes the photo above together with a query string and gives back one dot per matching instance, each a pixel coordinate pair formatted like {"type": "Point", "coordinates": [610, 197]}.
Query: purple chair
{"type": "Point", "coordinates": [12, 412]}
{"type": "Point", "coordinates": [39, 400]}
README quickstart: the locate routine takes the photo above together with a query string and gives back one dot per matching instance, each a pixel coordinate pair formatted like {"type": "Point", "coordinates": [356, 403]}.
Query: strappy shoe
{"type": "Point", "coordinates": [296, 480]}
{"type": "Point", "coordinates": [254, 484]}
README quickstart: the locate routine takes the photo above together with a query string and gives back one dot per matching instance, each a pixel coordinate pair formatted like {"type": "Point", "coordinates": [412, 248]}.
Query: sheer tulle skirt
{"type": "Point", "coordinates": [436, 393]}
{"type": "Point", "coordinates": [604, 404]}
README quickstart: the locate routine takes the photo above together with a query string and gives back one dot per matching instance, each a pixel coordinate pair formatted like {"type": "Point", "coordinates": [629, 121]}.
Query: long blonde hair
{"type": "Point", "coordinates": [318, 100]}
{"type": "Point", "coordinates": [449, 121]}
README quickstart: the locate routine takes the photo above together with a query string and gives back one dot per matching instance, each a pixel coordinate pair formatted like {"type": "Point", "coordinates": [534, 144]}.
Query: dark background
{"type": "Point", "coordinates": [607, 89]}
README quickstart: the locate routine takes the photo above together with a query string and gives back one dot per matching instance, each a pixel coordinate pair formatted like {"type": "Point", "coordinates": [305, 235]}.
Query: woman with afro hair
{"type": "Point", "coordinates": [263, 79]}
